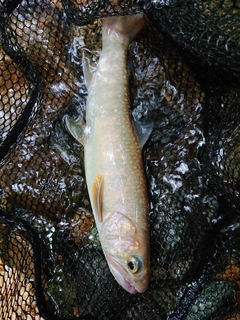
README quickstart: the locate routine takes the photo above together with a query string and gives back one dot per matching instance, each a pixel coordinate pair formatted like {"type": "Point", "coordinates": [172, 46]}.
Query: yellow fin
{"type": "Point", "coordinates": [97, 196]}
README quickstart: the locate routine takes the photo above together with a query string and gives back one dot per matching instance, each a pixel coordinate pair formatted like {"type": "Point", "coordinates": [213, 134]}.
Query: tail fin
{"type": "Point", "coordinates": [126, 25]}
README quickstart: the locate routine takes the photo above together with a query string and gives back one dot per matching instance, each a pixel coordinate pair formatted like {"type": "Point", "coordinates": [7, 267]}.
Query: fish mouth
{"type": "Point", "coordinates": [120, 274]}
{"type": "Point", "coordinates": [131, 289]}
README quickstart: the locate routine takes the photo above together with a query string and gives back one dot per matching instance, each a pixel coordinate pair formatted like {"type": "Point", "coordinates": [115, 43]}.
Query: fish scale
{"type": "Point", "coordinates": [113, 161]}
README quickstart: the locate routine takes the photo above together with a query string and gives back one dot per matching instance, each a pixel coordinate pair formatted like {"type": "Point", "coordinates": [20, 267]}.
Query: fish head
{"type": "Point", "coordinates": [126, 248]}
{"type": "Point", "coordinates": [130, 273]}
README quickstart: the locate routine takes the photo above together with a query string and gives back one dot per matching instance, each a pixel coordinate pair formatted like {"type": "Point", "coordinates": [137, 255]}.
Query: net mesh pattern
{"type": "Point", "coordinates": [184, 74]}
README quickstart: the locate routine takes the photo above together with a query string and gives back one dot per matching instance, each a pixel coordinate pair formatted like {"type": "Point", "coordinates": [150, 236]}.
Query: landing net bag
{"type": "Point", "coordinates": [184, 75]}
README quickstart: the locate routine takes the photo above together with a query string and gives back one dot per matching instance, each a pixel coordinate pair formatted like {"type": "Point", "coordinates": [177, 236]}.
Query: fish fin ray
{"type": "Point", "coordinates": [143, 131]}
{"type": "Point", "coordinates": [97, 196]}
{"type": "Point", "coordinates": [76, 128]}
{"type": "Point", "coordinates": [88, 70]}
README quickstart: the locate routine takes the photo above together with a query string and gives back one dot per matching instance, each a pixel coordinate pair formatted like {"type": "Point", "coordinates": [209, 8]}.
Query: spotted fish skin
{"type": "Point", "coordinates": [113, 158]}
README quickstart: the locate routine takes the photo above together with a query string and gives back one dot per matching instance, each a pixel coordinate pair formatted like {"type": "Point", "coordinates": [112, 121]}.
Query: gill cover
{"type": "Point", "coordinates": [124, 253]}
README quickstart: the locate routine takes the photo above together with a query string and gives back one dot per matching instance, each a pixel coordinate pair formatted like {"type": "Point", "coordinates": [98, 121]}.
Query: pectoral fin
{"type": "Point", "coordinates": [143, 130]}
{"type": "Point", "coordinates": [76, 128]}
{"type": "Point", "coordinates": [97, 196]}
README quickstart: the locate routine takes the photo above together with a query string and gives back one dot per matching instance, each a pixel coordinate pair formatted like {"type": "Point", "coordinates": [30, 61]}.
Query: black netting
{"type": "Point", "coordinates": [184, 74]}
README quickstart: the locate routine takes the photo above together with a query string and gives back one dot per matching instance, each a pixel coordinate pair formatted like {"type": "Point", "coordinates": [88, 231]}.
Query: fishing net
{"type": "Point", "coordinates": [184, 74]}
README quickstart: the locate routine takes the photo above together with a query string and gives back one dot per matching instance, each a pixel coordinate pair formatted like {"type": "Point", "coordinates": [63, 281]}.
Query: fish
{"type": "Point", "coordinates": [113, 161]}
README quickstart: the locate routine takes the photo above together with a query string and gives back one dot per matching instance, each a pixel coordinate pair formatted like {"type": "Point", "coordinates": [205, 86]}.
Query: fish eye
{"type": "Point", "coordinates": [134, 264]}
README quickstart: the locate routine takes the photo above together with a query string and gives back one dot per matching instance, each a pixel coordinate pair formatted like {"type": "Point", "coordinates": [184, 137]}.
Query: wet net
{"type": "Point", "coordinates": [184, 74]}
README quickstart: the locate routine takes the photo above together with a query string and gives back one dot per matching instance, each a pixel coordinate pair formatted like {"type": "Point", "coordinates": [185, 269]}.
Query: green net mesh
{"type": "Point", "coordinates": [184, 74]}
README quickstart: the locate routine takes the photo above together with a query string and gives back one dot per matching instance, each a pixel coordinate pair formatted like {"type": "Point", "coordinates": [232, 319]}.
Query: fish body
{"type": "Point", "coordinates": [113, 158]}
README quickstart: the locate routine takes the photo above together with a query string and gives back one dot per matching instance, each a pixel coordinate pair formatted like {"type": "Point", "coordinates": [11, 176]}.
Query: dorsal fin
{"type": "Point", "coordinates": [88, 70]}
